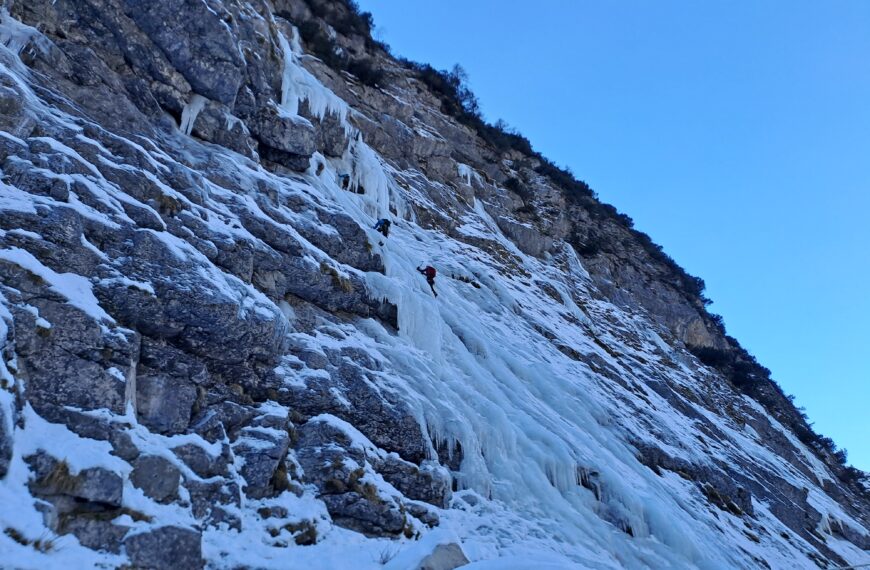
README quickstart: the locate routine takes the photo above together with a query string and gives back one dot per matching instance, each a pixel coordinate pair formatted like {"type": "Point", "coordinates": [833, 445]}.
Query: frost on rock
{"type": "Point", "coordinates": [209, 357]}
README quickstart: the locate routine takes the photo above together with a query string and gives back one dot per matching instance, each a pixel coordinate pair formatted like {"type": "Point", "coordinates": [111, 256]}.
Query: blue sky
{"type": "Point", "coordinates": [736, 134]}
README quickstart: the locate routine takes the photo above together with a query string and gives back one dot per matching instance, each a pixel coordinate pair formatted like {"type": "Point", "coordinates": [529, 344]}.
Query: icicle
{"type": "Point", "coordinates": [191, 112]}
{"type": "Point", "coordinates": [131, 406]}
{"type": "Point", "coordinates": [464, 171]}
{"type": "Point", "coordinates": [295, 44]}
{"type": "Point", "coordinates": [289, 99]}
{"type": "Point", "coordinates": [370, 179]}
{"type": "Point", "coordinates": [297, 85]}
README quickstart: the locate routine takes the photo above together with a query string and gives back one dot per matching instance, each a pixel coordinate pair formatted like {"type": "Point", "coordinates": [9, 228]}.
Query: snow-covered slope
{"type": "Point", "coordinates": [210, 357]}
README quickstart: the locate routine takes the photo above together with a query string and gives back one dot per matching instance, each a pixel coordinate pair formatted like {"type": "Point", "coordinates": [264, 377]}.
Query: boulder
{"type": "Point", "coordinates": [202, 462]}
{"type": "Point", "coordinates": [215, 502]}
{"type": "Point", "coordinates": [166, 548]}
{"type": "Point", "coordinates": [371, 518]}
{"type": "Point", "coordinates": [216, 124]}
{"type": "Point", "coordinates": [95, 484]}
{"type": "Point", "coordinates": [157, 477]}
{"type": "Point", "coordinates": [429, 483]}
{"type": "Point", "coordinates": [95, 533]}
{"type": "Point", "coordinates": [164, 403]}
{"type": "Point", "coordinates": [263, 451]}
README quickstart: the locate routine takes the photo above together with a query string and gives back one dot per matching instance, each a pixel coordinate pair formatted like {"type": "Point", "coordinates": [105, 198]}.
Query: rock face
{"type": "Point", "coordinates": [44, 353]}
{"type": "Point", "coordinates": [284, 134]}
{"type": "Point", "coordinates": [347, 474]}
{"type": "Point", "coordinates": [263, 452]}
{"type": "Point", "coordinates": [6, 441]}
{"type": "Point", "coordinates": [208, 357]}
{"type": "Point", "coordinates": [197, 39]}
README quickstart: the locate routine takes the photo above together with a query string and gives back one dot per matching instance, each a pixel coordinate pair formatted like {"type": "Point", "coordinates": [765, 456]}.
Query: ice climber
{"type": "Point", "coordinates": [429, 272]}
{"type": "Point", "coordinates": [383, 226]}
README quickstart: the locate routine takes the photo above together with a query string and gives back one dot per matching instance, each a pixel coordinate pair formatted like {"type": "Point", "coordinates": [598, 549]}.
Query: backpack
{"type": "Point", "coordinates": [430, 272]}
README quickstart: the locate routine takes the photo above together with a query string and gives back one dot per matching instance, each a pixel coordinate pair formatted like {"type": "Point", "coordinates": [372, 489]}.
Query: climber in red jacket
{"type": "Point", "coordinates": [429, 272]}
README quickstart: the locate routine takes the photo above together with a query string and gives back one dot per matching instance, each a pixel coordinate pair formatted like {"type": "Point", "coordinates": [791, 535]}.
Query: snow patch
{"type": "Point", "coordinates": [77, 290]}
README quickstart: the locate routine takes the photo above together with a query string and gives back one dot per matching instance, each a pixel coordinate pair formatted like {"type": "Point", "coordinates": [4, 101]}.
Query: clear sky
{"type": "Point", "coordinates": [736, 134]}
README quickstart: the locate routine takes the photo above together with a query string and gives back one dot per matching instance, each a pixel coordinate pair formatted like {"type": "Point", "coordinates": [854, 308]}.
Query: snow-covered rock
{"type": "Point", "coordinates": [210, 358]}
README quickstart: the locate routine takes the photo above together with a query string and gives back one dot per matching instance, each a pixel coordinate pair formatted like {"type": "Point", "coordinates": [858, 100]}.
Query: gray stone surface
{"type": "Point", "coordinates": [157, 477]}
{"type": "Point", "coordinates": [387, 421]}
{"type": "Point", "coordinates": [14, 117]}
{"type": "Point", "coordinates": [95, 484]}
{"type": "Point", "coordinates": [166, 548]}
{"type": "Point", "coordinates": [228, 285]}
{"type": "Point", "coordinates": [96, 534]}
{"type": "Point", "coordinates": [197, 40]}
{"type": "Point", "coordinates": [69, 363]}
{"type": "Point", "coordinates": [372, 518]}
{"type": "Point", "coordinates": [263, 451]}
{"type": "Point", "coordinates": [331, 138]}
{"type": "Point", "coordinates": [293, 135]}
{"type": "Point", "coordinates": [339, 469]}
{"type": "Point", "coordinates": [216, 124]}
{"type": "Point", "coordinates": [215, 502]}
{"type": "Point", "coordinates": [223, 420]}
{"type": "Point", "coordinates": [164, 403]}
{"type": "Point", "coordinates": [189, 309]}
{"type": "Point", "coordinates": [430, 483]}
{"type": "Point", "coordinates": [94, 427]}
{"type": "Point", "coordinates": [203, 463]}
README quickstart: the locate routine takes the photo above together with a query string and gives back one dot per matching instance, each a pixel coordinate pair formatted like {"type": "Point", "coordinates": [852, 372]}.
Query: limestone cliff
{"type": "Point", "coordinates": [211, 358]}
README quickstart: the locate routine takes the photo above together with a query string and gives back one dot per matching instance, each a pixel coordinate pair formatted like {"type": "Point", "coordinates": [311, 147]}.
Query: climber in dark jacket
{"type": "Point", "coordinates": [383, 226]}
{"type": "Point", "coordinates": [429, 272]}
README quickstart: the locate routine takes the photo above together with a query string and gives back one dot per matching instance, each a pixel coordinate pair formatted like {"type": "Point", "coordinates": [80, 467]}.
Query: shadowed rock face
{"type": "Point", "coordinates": [196, 317]}
{"type": "Point", "coordinates": [5, 443]}
{"type": "Point", "coordinates": [198, 41]}
{"type": "Point", "coordinates": [65, 364]}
